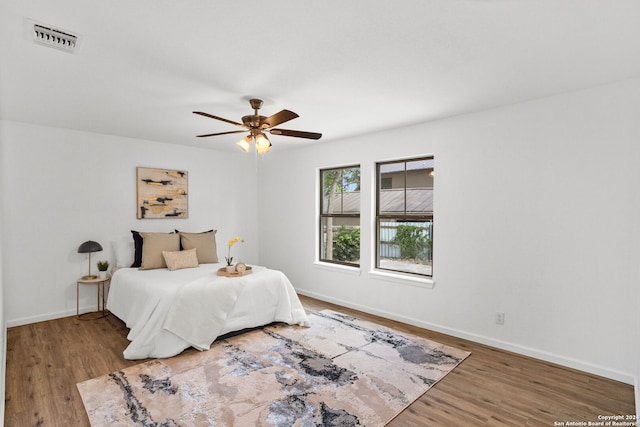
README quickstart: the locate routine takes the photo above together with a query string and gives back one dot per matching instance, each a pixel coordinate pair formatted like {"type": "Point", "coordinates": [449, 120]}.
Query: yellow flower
{"type": "Point", "coordinates": [232, 242]}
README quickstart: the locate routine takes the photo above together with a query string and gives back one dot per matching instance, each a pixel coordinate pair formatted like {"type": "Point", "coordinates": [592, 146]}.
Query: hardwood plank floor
{"type": "Point", "coordinates": [491, 387]}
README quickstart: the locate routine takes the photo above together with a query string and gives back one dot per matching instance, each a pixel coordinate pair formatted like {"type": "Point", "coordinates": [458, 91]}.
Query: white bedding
{"type": "Point", "coordinates": [169, 311]}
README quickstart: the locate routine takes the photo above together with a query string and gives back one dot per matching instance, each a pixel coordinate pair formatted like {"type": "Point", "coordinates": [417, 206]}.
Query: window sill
{"type": "Point", "coordinates": [354, 271]}
{"type": "Point", "coordinates": [404, 279]}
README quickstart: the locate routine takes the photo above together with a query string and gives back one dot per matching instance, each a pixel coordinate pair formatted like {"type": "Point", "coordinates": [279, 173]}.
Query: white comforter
{"type": "Point", "coordinates": [169, 311]}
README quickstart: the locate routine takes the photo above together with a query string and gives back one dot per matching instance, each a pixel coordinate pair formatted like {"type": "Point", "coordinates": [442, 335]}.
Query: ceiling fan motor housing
{"type": "Point", "coordinates": [253, 121]}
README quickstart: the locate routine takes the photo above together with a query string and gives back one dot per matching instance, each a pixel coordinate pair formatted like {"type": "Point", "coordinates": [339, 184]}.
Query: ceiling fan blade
{"type": "Point", "coordinates": [211, 116]}
{"type": "Point", "coordinates": [296, 133]}
{"type": "Point", "coordinates": [221, 133]}
{"type": "Point", "coordinates": [278, 118]}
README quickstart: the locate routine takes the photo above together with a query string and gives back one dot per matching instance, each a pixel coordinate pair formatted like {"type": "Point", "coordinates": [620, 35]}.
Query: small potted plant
{"type": "Point", "coordinates": [103, 266]}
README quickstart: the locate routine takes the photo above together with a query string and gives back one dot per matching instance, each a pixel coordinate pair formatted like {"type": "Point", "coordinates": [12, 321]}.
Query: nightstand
{"type": "Point", "coordinates": [101, 312]}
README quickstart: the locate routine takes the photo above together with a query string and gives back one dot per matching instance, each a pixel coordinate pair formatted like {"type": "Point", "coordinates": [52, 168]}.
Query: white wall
{"type": "Point", "coordinates": [536, 213]}
{"type": "Point", "coordinates": [62, 187]}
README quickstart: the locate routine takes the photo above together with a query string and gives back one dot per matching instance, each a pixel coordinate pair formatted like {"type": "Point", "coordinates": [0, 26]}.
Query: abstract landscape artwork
{"type": "Point", "coordinates": [162, 193]}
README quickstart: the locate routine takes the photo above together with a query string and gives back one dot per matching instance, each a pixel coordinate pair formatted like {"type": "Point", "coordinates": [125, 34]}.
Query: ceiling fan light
{"type": "Point", "coordinates": [262, 141]}
{"type": "Point", "coordinates": [263, 145]}
{"type": "Point", "coordinates": [244, 144]}
{"type": "Point", "coordinates": [261, 149]}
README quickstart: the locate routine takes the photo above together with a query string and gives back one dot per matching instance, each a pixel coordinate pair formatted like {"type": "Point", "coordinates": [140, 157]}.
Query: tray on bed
{"type": "Point", "coordinates": [223, 272]}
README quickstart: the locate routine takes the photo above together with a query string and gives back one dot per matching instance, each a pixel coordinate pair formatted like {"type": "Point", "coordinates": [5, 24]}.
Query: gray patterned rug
{"type": "Point", "coordinates": [342, 371]}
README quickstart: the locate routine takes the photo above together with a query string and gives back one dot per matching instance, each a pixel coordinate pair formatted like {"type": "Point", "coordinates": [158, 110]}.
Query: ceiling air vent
{"type": "Point", "coordinates": [54, 38]}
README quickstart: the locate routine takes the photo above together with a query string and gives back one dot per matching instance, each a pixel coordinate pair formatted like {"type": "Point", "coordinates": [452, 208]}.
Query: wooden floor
{"type": "Point", "coordinates": [491, 387]}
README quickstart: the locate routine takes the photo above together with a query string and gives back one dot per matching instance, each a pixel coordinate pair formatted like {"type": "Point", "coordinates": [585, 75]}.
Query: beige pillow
{"type": "Point", "coordinates": [178, 260]}
{"type": "Point", "coordinates": [154, 244]}
{"type": "Point", "coordinates": [205, 243]}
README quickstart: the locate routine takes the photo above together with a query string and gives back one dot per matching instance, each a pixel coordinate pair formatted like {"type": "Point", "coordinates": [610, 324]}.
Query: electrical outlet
{"type": "Point", "coordinates": [499, 318]}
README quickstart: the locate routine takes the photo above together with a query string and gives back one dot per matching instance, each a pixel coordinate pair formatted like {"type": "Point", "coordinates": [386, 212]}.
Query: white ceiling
{"type": "Point", "coordinates": [346, 67]}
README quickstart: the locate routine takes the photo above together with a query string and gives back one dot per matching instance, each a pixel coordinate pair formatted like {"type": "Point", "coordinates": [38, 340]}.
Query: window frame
{"type": "Point", "coordinates": [399, 217]}
{"type": "Point", "coordinates": [322, 216]}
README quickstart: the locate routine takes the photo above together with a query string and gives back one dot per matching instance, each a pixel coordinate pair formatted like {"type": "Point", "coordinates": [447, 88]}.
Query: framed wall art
{"type": "Point", "coordinates": [162, 193]}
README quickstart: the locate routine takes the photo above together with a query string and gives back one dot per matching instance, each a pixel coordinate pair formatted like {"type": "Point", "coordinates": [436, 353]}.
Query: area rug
{"type": "Point", "coordinates": [341, 371]}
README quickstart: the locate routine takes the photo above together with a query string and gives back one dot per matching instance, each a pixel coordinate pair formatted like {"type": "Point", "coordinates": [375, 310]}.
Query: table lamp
{"type": "Point", "coordinates": [87, 248]}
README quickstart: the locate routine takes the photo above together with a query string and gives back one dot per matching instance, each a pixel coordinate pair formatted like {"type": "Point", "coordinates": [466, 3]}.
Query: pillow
{"type": "Point", "coordinates": [204, 242]}
{"type": "Point", "coordinates": [153, 245]}
{"type": "Point", "coordinates": [124, 253]}
{"type": "Point", "coordinates": [178, 260]}
{"type": "Point", "coordinates": [137, 244]}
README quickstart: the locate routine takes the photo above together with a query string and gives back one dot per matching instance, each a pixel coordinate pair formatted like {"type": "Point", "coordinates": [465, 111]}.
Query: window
{"type": "Point", "coordinates": [404, 216]}
{"type": "Point", "coordinates": [340, 215]}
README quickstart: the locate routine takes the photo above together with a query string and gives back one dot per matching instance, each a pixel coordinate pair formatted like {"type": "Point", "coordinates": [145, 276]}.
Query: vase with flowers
{"type": "Point", "coordinates": [230, 267]}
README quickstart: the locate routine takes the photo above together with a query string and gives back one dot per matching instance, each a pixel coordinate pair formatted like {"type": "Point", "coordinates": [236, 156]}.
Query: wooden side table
{"type": "Point", "coordinates": [101, 312]}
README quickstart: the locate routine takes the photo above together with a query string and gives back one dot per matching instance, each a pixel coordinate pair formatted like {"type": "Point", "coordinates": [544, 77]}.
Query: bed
{"type": "Point", "coordinates": [170, 311]}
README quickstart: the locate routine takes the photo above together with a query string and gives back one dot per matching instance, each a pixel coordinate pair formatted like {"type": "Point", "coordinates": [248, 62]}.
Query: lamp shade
{"type": "Point", "coordinates": [262, 140]}
{"type": "Point", "coordinates": [245, 143]}
{"type": "Point", "coordinates": [263, 144]}
{"type": "Point", "coordinates": [89, 246]}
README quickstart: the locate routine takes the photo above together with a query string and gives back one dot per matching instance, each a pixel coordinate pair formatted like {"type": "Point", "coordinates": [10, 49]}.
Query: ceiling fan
{"type": "Point", "coordinates": [257, 125]}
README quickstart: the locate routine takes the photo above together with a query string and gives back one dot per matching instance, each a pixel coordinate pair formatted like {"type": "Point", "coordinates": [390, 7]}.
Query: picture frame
{"type": "Point", "coordinates": [162, 193]}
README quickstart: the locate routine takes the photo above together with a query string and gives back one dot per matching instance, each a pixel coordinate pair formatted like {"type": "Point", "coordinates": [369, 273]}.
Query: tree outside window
{"type": "Point", "coordinates": [340, 215]}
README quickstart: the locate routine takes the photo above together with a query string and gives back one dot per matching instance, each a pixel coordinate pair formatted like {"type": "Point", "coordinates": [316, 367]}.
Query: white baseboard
{"type": "Point", "coordinates": [48, 316]}
{"type": "Point", "coordinates": [515, 348]}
